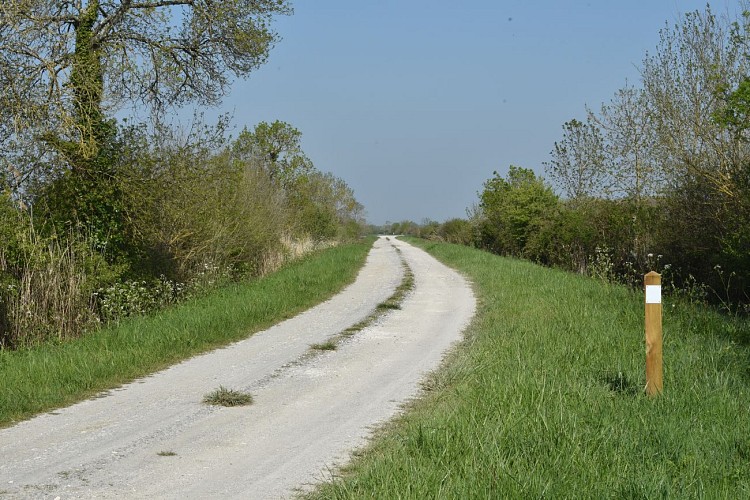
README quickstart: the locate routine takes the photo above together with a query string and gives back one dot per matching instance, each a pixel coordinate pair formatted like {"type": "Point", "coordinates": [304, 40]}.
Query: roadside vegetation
{"type": "Point", "coordinates": [47, 376]}
{"type": "Point", "coordinates": [103, 219]}
{"type": "Point", "coordinates": [657, 179]}
{"type": "Point", "coordinates": [184, 215]}
{"type": "Point", "coordinates": [544, 398]}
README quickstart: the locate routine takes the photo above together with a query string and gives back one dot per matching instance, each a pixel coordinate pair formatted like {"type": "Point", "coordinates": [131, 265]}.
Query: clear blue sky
{"type": "Point", "coordinates": [414, 103]}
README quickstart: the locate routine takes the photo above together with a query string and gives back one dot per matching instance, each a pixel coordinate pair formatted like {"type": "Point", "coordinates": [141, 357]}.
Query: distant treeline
{"type": "Point", "coordinates": [656, 179]}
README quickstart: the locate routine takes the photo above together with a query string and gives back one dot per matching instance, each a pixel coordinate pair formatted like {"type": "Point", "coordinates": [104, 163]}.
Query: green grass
{"type": "Point", "coordinates": [328, 345]}
{"type": "Point", "coordinates": [50, 376]}
{"type": "Point", "coordinates": [227, 397]}
{"type": "Point", "coordinates": [545, 398]}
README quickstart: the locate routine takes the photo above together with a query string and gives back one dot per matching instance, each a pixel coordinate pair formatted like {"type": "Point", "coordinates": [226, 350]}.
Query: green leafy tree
{"type": "Point", "coordinates": [66, 65]}
{"type": "Point", "coordinates": [277, 148]}
{"type": "Point", "coordinates": [514, 210]}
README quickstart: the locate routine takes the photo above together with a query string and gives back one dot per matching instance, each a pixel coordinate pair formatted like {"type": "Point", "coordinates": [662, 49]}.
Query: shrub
{"type": "Point", "coordinates": [456, 231]}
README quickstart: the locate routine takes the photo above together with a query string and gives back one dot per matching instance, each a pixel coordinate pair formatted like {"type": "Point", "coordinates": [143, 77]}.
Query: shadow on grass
{"type": "Point", "coordinates": [620, 383]}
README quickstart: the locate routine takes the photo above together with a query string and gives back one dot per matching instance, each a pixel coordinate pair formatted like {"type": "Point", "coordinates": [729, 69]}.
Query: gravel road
{"type": "Point", "coordinates": [309, 412]}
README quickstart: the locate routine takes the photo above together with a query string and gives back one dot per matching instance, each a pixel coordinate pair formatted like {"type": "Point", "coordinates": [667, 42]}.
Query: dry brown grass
{"type": "Point", "coordinates": [51, 300]}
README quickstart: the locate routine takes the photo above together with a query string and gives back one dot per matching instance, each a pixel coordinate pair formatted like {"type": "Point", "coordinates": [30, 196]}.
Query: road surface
{"type": "Point", "coordinates": [154, 438]}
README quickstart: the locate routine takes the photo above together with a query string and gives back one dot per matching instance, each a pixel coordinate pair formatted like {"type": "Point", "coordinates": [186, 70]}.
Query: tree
{"type": "Point", "coordinates": [577, 165]}
{"type": "Point", "coordinates": [324, 207]}
{"type": "Point", "coordinates": [66, 65]}
{"type": "Point", "coordinates": [684, 84]}
{"type": "Point", "coordinates": [277, 148]}
{"type": "Point", "coordinates": [696, 89]}
{"type": "Point", "coordinates": [629, 145]}
{"type": "Point", "coordinates": [514, 210]}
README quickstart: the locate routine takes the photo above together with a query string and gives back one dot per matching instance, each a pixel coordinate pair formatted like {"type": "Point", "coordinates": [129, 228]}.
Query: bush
{"type": "Point", "coordinates": [151, 219]}
{"type": "Point", "coordinates": [457, 231]}
{"type": "Point", "coordinates": [514, 210]}
{"type": "Point", "coordinates": [130, 298]}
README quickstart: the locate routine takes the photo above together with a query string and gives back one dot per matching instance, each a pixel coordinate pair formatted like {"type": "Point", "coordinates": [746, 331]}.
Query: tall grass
{"type": "Point", "coordinates": [290, 248]}
{"type": "Point", "coordinates": [61, 287]}
{"type": "Point", "coordinates": [545, 398]}
{"type": "Point", "coordinates": [47, 376]}
{"type": "Point", "coordinates": [51, 300]}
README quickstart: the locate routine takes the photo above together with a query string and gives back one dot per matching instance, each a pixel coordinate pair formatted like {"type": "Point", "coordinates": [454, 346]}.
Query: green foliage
{"type": "Point", "coordinates": [155, 217]}
{"type": "Point", "coordinates": [513, 210]}
{"type": "Point", "coordinates": [63, 65]}
{"type": "Point", "coordinates": [126, 212]}
{"type": "Point", "coordinates": [96, 200]}
{"type": "Point", "coordinates": [277, 149]}
{"type": "Point", "coordinates": [456, 231]}
{"type": "Point", "coordinates": [324, 207]}
{"type": "Point", "coordinates": [735, 115]}
{"type": "Point", "coordinates": [662, 169]}
{"type": "Point", "coordinates": [128, 298]}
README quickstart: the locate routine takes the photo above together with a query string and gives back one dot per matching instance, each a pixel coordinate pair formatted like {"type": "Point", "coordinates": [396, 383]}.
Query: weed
{"type": "Point", "coordinates": [357, 327]}
{"type": "Point", "coordinates": [389, 305]}
{"type": "Point", "coordinates": [227, 397]}
{"type": "Point", "coordinates": [167, 454]}
{"type": "Point", "coordinates": [329, 345]}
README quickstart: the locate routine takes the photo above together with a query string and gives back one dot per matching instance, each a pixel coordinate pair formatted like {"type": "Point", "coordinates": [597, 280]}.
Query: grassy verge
{"type": "Point", "coordinates": [51, 376]}
{"type": "Point", "coordinates": [544, 399]}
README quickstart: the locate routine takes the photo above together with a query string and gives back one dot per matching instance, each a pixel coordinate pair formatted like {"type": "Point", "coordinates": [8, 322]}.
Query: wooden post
{"type": "Point", "coordinates": [654, 383]}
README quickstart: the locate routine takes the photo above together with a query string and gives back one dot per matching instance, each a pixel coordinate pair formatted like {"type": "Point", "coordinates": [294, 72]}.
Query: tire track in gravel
{"type": "Point", "coordinates": [309, 412]}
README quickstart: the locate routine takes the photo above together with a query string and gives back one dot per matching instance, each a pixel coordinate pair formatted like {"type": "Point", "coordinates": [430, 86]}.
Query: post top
{"type": "Point", "coordinates": [652, 278]}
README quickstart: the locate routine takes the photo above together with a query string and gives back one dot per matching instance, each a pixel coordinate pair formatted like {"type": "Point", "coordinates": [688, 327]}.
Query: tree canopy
{"type": "Point", "coordinates": [65, 65]}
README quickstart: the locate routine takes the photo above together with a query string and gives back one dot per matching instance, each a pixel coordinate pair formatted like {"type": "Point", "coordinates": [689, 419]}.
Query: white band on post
{"type": "Point", "coordinates": [653, 294]}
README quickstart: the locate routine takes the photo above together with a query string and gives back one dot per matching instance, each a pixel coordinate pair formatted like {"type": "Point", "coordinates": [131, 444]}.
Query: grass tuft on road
{"type": "Point", "coordinates": [544, 398]}
{"type": "Point", "coordinates": [227, 397]}
{"type": "Point", "coordinates": [328, 345]}
{"type": "Point", "coordinates": [51, 376]}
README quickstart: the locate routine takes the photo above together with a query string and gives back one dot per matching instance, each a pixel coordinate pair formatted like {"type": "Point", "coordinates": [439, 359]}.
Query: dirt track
{"type": "Point", "coordinates": [307, 415]}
